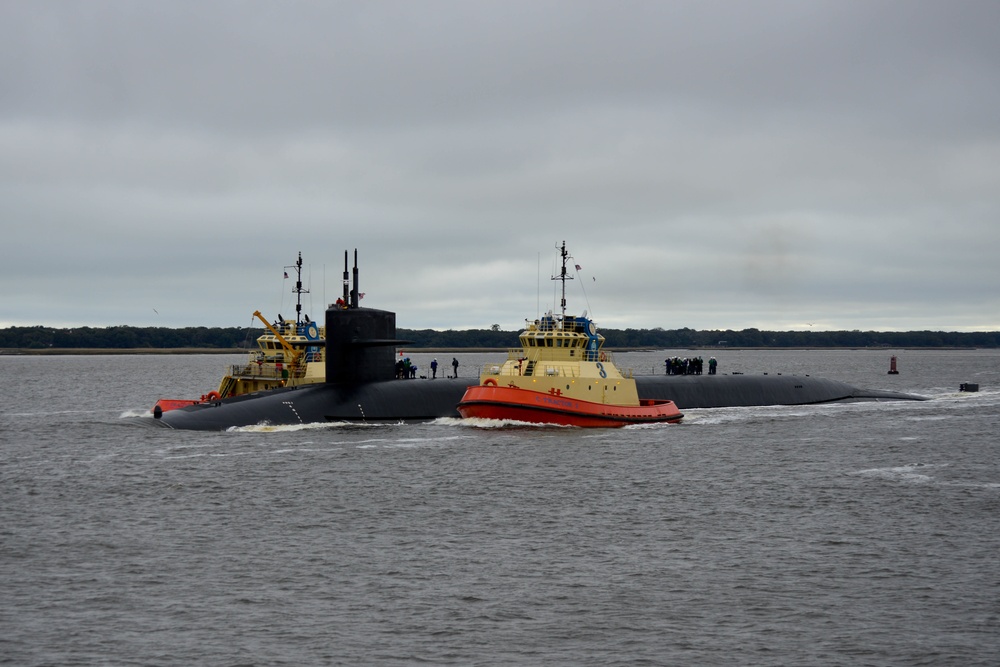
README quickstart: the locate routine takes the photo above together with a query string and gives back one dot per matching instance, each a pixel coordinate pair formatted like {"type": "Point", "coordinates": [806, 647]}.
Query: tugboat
{"type": "Point", "coordinates": [561, 375]}
{"type": "Point", "coordinates": [288, 354]}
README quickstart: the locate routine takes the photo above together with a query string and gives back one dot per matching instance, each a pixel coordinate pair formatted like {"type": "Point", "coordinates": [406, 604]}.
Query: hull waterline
{"type": "Point", "coordinates": [415, 400]}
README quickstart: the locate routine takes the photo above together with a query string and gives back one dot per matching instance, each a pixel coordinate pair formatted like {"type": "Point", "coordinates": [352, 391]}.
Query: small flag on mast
{"type": "Point", "coordinates": [579, 268]}
{"type": "Point", "coordinates": [286, 275]}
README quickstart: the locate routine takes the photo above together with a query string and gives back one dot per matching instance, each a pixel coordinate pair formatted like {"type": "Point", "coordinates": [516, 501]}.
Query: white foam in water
{"type": "Point", "coordinates": [292, 450]}
{"type": "Point", "coordinates": [713, 416]}
{"type": "Point", "coordinates": [476, 422]}
{"type": "Point", "coordinates": [907, 473]}
{"type": "Point", "coordinates": [638, 427]}
{"type": "Point", "coordinates": [313, 426]}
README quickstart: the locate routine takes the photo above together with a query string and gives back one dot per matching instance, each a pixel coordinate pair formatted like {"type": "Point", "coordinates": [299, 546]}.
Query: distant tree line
{"type": "Point", "coordinates": [682, 338]}
{"type": "Point", "coordinates": [126, 337]}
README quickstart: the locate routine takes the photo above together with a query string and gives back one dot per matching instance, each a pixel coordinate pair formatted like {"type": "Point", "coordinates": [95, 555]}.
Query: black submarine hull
{"type": "Point", "coordinates": [730, 391]}
{"type": "Point", "coordinates": [422, 400]}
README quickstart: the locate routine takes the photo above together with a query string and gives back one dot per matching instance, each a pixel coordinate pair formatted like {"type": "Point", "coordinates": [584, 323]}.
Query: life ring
{"type": "Point", "coordinates": [604, 357]}
{"type": "Point", "coordinates": [489, 382]}
{"type": "Point", "coordinates": [210, 396]}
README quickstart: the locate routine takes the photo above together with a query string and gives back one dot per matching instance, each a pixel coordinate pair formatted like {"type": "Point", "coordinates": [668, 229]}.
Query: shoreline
{"type": "Point", "coordinates": [93, 351]}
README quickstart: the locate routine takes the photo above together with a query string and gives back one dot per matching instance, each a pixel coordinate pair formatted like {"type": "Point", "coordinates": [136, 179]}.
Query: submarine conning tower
{"type": "Point", "coordinates": [360, 342]}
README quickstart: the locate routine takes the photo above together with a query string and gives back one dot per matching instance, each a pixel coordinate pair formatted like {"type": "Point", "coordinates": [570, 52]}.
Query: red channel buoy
{"type": "Point", "coordinates": [892, 366]}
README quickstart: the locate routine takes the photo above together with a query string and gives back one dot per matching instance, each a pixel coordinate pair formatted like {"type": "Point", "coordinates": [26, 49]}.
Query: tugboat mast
{"type": "Point", "coordinates": [298, 290]}
{"type": "Point", "coordinates": [563, 277]}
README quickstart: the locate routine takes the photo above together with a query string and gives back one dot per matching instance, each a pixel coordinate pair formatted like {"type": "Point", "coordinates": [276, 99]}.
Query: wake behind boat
{"type": "Point", "coordinates": [561, 375]}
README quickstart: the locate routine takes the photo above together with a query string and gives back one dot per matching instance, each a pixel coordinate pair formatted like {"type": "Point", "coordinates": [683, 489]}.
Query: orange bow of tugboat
{"type": "Point", "coordinates": [526, 405]}
{"type": "Point", "coordinates": [561, 375]}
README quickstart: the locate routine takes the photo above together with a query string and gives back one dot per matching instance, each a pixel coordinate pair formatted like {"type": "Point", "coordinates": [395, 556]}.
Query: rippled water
{"type": "Point", "coordinates": [855, 534]}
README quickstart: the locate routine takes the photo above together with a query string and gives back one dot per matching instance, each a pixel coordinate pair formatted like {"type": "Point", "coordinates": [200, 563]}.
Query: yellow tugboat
{"type": "Point", "coordinates": [561, 375]}
{"type": "Point", "coordinates": [288, 354]}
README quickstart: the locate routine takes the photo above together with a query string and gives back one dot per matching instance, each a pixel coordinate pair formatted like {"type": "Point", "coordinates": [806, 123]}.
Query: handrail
{"type": "Point", "coordinates": [500, 370]}
{"type": "Point", "coordinates": [561, 370]}
{"type": "Point", "coordinates": [269, 371]}
{"type": "Point", "coordinates": [542, 354]}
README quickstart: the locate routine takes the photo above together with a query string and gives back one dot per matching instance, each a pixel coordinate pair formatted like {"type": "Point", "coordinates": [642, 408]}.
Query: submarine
{"type": "Point", "coordinates": [361, 384]}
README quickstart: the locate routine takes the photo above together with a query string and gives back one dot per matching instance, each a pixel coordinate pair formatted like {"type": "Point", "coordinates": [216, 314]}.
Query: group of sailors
{"type": "Point", "coordinates": [406, 369]}
{"type": "Point", "coordinates": [685, 366]}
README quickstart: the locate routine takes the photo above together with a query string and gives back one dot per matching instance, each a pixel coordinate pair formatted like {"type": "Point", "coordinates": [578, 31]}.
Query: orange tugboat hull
{"type": "Point", "coordinates": [489, 402]}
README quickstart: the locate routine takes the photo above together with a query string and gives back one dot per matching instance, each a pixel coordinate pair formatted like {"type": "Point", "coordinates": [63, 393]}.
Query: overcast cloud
{"type": "Point", "coordinates": [713, 165]}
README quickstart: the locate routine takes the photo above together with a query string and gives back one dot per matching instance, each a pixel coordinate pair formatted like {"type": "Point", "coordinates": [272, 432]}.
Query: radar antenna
{"type": "Point", "coordinates": [298, 290]}
{"type": "Point", "coordinates": [563, 277]}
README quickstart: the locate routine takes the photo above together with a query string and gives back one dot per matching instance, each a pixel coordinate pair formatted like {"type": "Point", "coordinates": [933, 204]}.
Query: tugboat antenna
{"type": "Point", "coordinates": [564, 276]}
{"type": "Point", "coordinates": [298, 290]}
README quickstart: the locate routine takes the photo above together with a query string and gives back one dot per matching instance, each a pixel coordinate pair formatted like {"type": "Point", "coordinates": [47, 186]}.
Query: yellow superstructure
{"type": "Point", "coordinates": [288, 354]}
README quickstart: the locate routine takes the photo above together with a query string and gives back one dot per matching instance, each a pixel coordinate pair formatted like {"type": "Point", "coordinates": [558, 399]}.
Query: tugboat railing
{"type": "Point", "coordinates": [533, 364]}
{"type": "Point", "coordinates": [539, 355]}
{"type": "Point", "coordinates": [266, 372]}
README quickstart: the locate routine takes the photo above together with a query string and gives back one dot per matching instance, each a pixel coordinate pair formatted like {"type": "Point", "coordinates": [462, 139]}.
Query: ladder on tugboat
{"type": "Point", "coordinates": [228, 386]}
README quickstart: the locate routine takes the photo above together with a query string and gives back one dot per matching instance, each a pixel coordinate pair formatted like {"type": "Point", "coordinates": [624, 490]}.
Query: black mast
{"type": "Point", "coordinates": [298, 289]}
{"type": "Point", "coordinates": [347, 282]}
{"type": "Point", "coordinates": [563, 277]}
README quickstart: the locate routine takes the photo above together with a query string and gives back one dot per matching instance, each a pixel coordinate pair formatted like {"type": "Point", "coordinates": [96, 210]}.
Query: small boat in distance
{"type": "Point", "coordinates": [560, 375]}
{"type": "Point", "coordinates": [289, 353]}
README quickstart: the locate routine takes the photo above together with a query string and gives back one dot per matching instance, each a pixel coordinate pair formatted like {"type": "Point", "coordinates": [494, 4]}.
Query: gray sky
{"type": "Point", "coordinates": [771, 164]}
